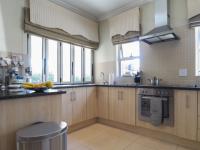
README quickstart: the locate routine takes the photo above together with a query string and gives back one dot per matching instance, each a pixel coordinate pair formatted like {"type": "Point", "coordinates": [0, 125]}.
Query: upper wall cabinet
{"type": "Point", "coordinates": [48, 14]}
{"type": "Point", "coordinates": [193, 8]}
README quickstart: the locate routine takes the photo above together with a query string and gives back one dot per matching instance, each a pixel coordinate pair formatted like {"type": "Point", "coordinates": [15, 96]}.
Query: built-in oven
{"type": "Point", "coordinates": [156, 106]}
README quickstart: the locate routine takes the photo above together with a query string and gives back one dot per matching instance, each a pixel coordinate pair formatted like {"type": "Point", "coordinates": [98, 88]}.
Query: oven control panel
{"type": "Point", "coordinates": [156, 92]}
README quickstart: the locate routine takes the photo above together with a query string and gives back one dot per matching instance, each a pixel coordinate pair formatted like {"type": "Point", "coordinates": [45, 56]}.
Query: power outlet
{"type": "Point", "coordinates": [183, 72]}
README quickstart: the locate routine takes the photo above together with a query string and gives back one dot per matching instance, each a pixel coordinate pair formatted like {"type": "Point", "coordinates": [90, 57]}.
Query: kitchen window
{"type": "Point", "coordinates": [36, 52]}
{"type": "Point", "coordinates": [78, 60]}
{"type": "Point", "coordinates": [128, 58]}
{"type": "Point", "coordinates": [197, 41]}
{"type": "Point", "coordinates": [66, 62]}
{"type": "Point", "coordinates": [52, 61]}
{"type": "Point", "coordinates": [59, 62]}
{"type": "Point", "coordinates": [88, 65]}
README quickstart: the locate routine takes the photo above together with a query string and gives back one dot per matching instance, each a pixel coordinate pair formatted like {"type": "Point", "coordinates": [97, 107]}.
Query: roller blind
{"type": "Point", "coordinates": [193, 12]}
{"type": "Point", "coordinates": [51, 20]}
{"type": "Point", "coordinates": [125, 27]}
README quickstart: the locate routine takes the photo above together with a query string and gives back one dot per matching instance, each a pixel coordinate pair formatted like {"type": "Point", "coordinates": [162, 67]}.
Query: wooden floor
{"type": "Point", "coordinates": [100, 137]}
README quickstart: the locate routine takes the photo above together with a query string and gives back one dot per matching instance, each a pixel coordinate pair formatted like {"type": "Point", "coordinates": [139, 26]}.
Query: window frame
{"type": "Point", "coordinates": [47, 58]}
{"type": "Point", "coordinates": [92, 67]}
{"type": "Point", "coordinates": [60, 61]}
{"type": "Point", "coordinates": [119, 59]}
{"type": "Point", "coordinates": [197, 52]}
{"type": "Point", "coordinates": [61, 64]}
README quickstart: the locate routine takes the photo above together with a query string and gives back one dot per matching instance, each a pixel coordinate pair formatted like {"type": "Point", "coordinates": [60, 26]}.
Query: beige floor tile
{"type": "Point", "coordinates": [155, 144]}
{"type": "Point", "coordinates": [181, 148]}
{"type": "Point", "coordinates": [101, 137]}
{"type": "Point", "coordinates": [136, 146]}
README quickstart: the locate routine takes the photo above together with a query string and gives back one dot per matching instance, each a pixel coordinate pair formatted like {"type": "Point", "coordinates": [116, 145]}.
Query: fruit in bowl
{"type": "Point", "coordinates": [38, 87]}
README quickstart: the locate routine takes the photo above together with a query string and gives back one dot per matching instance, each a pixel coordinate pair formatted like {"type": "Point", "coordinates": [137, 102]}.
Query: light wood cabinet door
{"type": "Point", "coordinates": [199, 116]}
{"type": "Point", "coordinates": [67, 106]}
{"type": "Point", "coordinates": [91, 102]}
{"type": "Point", "coordinates": [78, 105]}
{"type": "Point", "coordinates": [122, 105]}
{"type": "Point", "coordinates": [102, 102]}
{"type": "Point", "coordinates": [186, 114]}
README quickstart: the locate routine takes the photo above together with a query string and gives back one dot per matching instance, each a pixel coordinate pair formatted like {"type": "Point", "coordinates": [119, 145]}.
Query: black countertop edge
{"type": "Point", "coordinates": [175, 87]}
{"type": "Point", "coordinates": [151, 86]}
{"type": "Point", "coordinates": [6, 95]}
{"type": "Point", "coordinates": [61, 86]}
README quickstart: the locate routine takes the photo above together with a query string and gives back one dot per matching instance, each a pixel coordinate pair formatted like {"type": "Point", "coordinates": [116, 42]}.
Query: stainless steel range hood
{"type": "Point", "coordinates": [162, 31]}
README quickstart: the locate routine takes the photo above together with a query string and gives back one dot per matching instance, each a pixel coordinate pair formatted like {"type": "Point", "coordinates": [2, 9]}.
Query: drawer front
{"type": "Point", "coordinates": [199, 104]}
{"type": "Point", "coordinates": [199, 135]}
{"type": "Point", "coordinates": [199, 122]}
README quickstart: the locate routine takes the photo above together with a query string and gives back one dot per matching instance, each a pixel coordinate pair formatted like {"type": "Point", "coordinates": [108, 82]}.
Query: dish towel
{"type": "Point", "coordinates": [156, 111]}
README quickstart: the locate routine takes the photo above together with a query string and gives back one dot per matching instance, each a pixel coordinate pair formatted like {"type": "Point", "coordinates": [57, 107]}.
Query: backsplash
{"type": "Point", "coordinates": [162, 60]}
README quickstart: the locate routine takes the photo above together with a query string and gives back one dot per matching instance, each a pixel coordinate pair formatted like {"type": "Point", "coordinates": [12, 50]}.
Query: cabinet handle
{"type": "Point", "coordinates": [118, 95]}
{"type": "Point", "coordinates": [122, 96]}
{"type": "Point", "coordinates": [71, 96]}
{"type": "Point", "coordinates": [74, 96]}
{"type": "Point", "coordinates": [187, 102]}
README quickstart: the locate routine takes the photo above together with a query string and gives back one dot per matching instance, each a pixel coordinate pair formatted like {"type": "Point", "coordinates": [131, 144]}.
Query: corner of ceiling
{"type": "Point", "coordinates": [101, 17]}
{"type": "Point", "coordinates": [74, 9]}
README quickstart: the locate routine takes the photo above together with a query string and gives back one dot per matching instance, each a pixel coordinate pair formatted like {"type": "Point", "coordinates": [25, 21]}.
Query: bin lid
{"type": "Point", "coordinates": [42, 130]}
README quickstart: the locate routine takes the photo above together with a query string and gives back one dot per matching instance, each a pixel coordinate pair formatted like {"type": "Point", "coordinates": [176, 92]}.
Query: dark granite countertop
{"type": "Point", "coordinates": [175, 87]}
{"type": "Point", "coordinates": [61, 86]}
{"type": "Point", "coordinates": [6, 95]}
{"type": "Point", "coordinates": [59, 89]}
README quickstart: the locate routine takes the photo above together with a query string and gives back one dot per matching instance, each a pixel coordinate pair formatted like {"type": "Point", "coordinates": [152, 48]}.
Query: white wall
{"type": "Point", "coordinates": [163, 60]}
{"type": "Point", "coordinates": [12, 36]}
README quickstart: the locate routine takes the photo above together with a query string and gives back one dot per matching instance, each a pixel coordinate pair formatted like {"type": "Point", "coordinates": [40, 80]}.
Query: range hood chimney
{"type": "Point", "coordinates": [162, 31]}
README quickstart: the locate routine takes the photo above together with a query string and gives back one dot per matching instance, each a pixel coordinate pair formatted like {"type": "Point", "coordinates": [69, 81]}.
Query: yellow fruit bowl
{"type": "Point", "coordinates": [38, 87]}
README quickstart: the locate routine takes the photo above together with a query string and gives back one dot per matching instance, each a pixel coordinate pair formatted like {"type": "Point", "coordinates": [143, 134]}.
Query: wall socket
{"type": "Point", "coordinates": [183, 72]}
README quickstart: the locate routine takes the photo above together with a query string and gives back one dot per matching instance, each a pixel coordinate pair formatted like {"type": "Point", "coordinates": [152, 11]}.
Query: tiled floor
{"type": "Point", "coordinates": [100, 137]}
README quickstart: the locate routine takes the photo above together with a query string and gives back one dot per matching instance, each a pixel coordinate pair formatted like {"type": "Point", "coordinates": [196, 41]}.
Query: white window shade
{"type": "Point", "coordinates": [48, 14]}
{"type": "Point", "coordinates": [193, 8]}
{"type": "Point", "coordinates": [125, 22]}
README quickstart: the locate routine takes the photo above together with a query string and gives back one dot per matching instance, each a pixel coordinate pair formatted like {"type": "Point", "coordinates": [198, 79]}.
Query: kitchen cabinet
{"type": "Point", "coordinates": [102, 102]}
{"type": "Point", "coordinates": [122, 105]}
{"type": "Point", "coordinates": [186, 114]}
{"type": "Point", "coordinates": [199, 116]}
{"type": "Point", "coordinates": [21, 112]}
{"type": "Point", "coordinates": [67, 106]}
{"type": "Point", "coordinates": [74, 105]}
{"type": "Point", "coordinates": [78, 105]}
{"type": "Point", "coordinates": [91, 102]}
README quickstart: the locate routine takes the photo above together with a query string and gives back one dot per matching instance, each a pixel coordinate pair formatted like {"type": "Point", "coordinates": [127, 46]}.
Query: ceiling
{"type": "Point", "coordinates": [99, 9]}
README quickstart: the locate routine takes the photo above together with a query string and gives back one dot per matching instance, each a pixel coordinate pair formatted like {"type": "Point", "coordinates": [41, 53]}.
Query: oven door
{"type": "Point", "coordinates": [144, 107]}
{"type": "Point", "coordinates": [153, 108]}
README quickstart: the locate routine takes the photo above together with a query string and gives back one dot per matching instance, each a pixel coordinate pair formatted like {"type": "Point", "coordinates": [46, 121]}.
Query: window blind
{"type": "Point", "coordinates": [125, 27]}
{"type": "Point", "coordinates": [50, 20]}
{"type": "Point", "coordinates": [193, 12]}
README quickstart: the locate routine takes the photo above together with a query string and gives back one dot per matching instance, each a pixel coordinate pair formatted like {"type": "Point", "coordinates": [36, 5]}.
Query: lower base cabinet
{"type": "Point", "coordinates": [199, 116]}
{"type": "Point", "coordinates": [102, 102]}
{"type": "Point", "coordinates": [186, 115]}
{"type": "Point", "coordinates": [74, 105]}
{"type": "Point", "coordinates": [122, 105]}
{"type": "Point", "coordinates": [79, 104]}
{"type": "Point", "coordinates": [67, 106]}
{"type": "Point", "coordinates": [91, 99]}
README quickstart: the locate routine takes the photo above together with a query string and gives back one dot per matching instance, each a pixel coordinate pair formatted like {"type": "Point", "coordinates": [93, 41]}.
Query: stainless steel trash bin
{"type": "Point", "coordinates": [43, 136]}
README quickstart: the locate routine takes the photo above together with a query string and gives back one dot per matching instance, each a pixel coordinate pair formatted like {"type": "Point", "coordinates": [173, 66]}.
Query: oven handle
{"type": "Point", "coordinates": [151, 97]}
